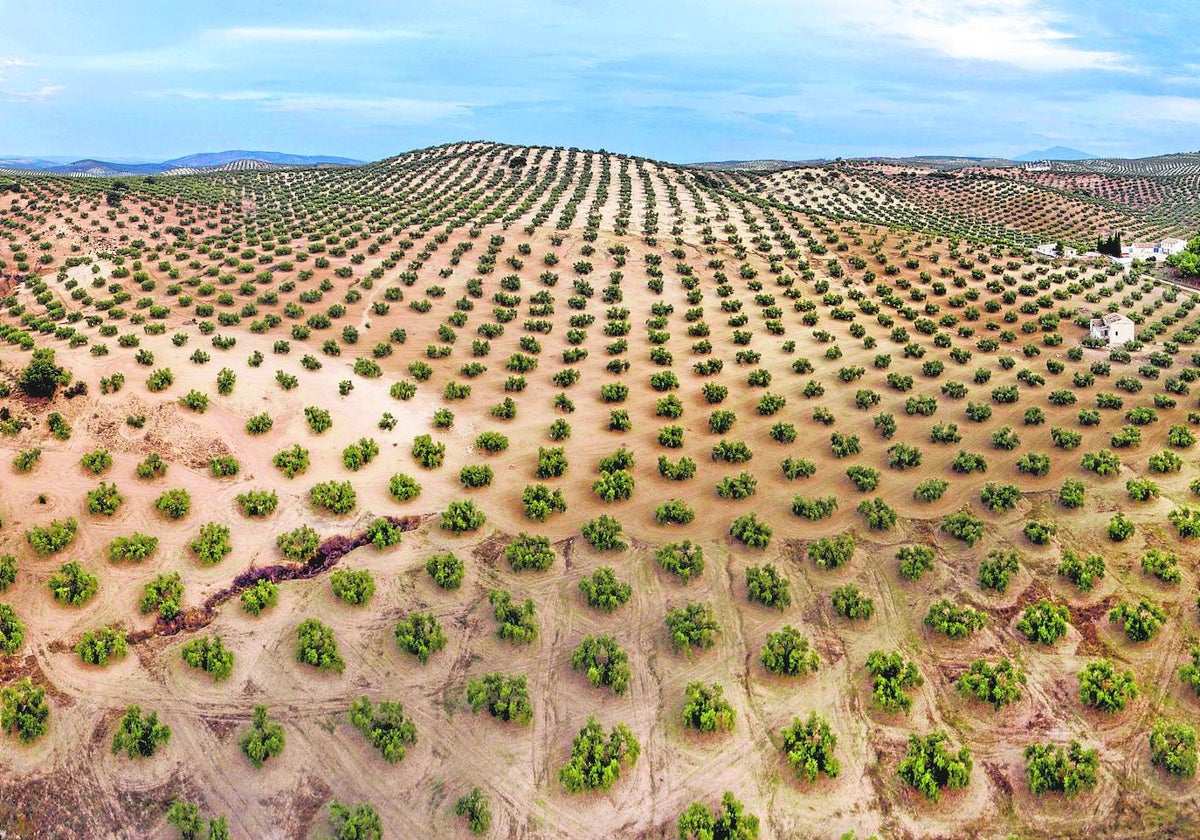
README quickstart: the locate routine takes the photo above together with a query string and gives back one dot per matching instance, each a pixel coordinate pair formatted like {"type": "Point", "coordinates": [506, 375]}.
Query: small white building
{"type": "Point", "coordinates": [1113, 328]}
{"type": "Point", "coordinates": [1050, 249]}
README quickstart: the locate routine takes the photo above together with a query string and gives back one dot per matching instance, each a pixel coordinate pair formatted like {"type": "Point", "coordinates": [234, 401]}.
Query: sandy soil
{"type": "Point", "coordinates": [517, 766]}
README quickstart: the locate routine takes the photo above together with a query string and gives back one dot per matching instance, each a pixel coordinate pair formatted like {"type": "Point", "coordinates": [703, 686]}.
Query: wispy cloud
{"type": "Point", "coordinates": [1021, 33]}
{"type": "Point", "coordinates": [44, 92]}
{"type": "Point", "coordinates": [16, 62]}
{"type": "Point", "coordinates": [386, 109]}
{"type": "Point", "coordinates": [300, 34]}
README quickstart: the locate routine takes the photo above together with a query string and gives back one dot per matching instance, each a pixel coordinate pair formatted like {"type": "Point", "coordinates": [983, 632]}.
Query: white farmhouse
{"type": "Point", "coordinates": [1113, 328]}
{"type": "Point", "coordinates": [1157, 250]}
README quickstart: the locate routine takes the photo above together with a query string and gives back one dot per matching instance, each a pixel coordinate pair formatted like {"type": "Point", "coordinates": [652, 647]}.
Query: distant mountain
{"type": "Point", "coordinates": [1055, 153]}
{"type": "Point", "coordinates": [207, 159]}
{"type": "Point", "coordinates": [191, 164]}
{"type": "Point", "coordinates": [28, 163]}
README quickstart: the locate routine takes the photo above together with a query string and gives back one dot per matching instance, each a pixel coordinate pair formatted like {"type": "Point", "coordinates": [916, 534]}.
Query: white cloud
{"type": "Point", "coordinates": [1182, 110]}
{"type": "Point", "coordinates": [16, 62]}
{"type": "Point", "coordinates": [388, 109]}
{"type": "Point", "coordinates": [289, 34]}
{"type": "Point", "coordinates": [1017, 32]}
{"type": "Point", "coordinates": [44, 92]}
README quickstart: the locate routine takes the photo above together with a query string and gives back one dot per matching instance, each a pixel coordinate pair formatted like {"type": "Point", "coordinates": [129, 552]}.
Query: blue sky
{"type": "Point", "coordinates": [681, 81]}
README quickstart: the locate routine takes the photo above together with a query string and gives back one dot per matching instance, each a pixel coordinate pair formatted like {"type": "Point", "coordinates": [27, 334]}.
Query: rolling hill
{"type": "Point", "coordinates": [789, 480]}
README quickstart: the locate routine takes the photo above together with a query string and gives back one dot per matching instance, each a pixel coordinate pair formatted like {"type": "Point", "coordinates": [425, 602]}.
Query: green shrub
{"type": "Point", "coordinates": [476, 475]}
{"type": "Point", "coordinates": [42, 376]}
{"type": "Point", "coordinates": [814, 509]}
{"type": "Point", "coordinates": [224, 466]}
{"type": "Point", "coordinates": [809, 748]}
{"type": "Point", "coordinates": [99, 647]}
{"type": "Point", "coordinates": [262, 595]}
{"type": "Point", "coordinates": [420, 634]}
{"type": "Point", "coordinates": [174, 504]}
{"type": "Point", "coordinates": [740, 486]}
{"type": "Point", "coordinates": [794, 468]}
{"type": "Point", "coordinates": [1048, 768]}
{"type": "Point", "coordinates": [766, 586]}
{"type": "Point", "coordinates": [529, 551]}
{"type": "Point", "coordinates": [264, 739]}
{"type": "Point", "coordinates": [209, 654]}
{"type": "Point", "coordinates": [1120, 528]}
{"type": "Point", "coordinates": [614, 486]}
{"type": "Point", "coordinates": [962, 525]}
{"type": "Point", "coordinates": [162, 595]}
{"type": "Point", "coordinates": [541, 502]}
{"type": "Point", "coordinates": [730, 821]}
{"type": "Point", "coordinates": [1173, 747]}
{"type": "Point", "coordinates": [492, 442]}
{"type": "Point", "coordinates": [1044, 622]}
{"type": "Point", "coordinates": [358, 455]}
{"type": "Point", "coordinates": [603, 591]}
{"type": "Point", "coordinates": [403, 487]}
{"type": "Point", "coordinates": [73, 585]}
{"type": "Point", "coordinates": [692, 626]}
{"type": "Point", "coordinates": [319, 420]}
{"type": "Point", "coordinates": [787, 653]}
{"type": "Point", "coordinates": [1163, 565]}
{"type": "Point", "coordinates": [316, 646]}
{"type": "Point", "coordinates": [460, 516]}
{"type": "Point", "coordinates": [292, 462]}
{"type": "Point", "coordinates": [877, 514]}
{"type": "Point", "coordinates": [52, 538]}
{"type": "Point", "coordinates": [354, 586]}
{"type": "Point", "coordinates": [832, 552]}
{"type": "Point", "coordinates": [475, 810]}
{"type": "Point", "coordinates": [506, 698]}
{"type": "Point", "coordinates": [930, 490]}
{"type": "Point", "coordinates": [25, 460]}
{"type": "Point", "coordinates": [604, 534]}
{"type": "Point", "coordinates": [516, 622]}
{"type": "Point", "coordinates": [1140, 622]}
{"type": "Point", "coordinates": [300, 545]}
{"type": "Point", "coordinates": [604, 663]}
{"type": "Point", "coordinates": [849, 602]}
{"type": "Point", "coordinates": [1103, 463]}
{"type": "Point", "coordinates": [446, 570]}
{"type": "Point", "coordinates": [105, 500]}
{"type": "Point", "coordinates": [1104, 688]}
{"type": "Point", "coordinates": [914, 561]}
{"type": "Point", "coordinates": [12, 631]}
{"type": "Point", "coordinates": [24, 710]}
{"type": "Point", "coordinates": [387, 728]}
{"type": "Point", "coordinates": [96, 462]}
{"type": "Point", "coordinates": [998, 684]}
{"type": "Point", "coordinates": [596, 761]}
{"type": "Point", "coordinates": [1081, 571]}
{"type": "Point", "coordinates": [1186, 521]}
{"type": "Point", "coordinates": [930, 768]}
{"type": "Point", "coordinates": [195, 400]}
{"type": "Point", "coordinates": [258, 503]}
{"type": "Point", "coordinates": [865, 479]}
{"type": "Point", "coordinates": [750, 532]}
{"type": "Point", "coordinates": [138, 736]}
{"type": "Point", "coordinates": [683, 559]}
{"type": "Point", "coordinates": [337, 497]}
{"type": "Point", "coordinates": [212, 544]}
{"type": "Point", "coordinates": [706, 709]}
{"type": "Point", "coordinates": [891, 678]}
